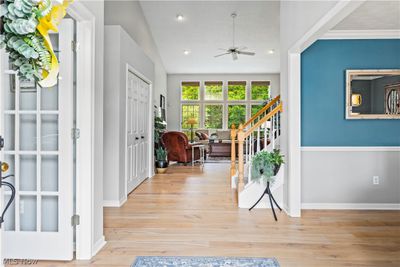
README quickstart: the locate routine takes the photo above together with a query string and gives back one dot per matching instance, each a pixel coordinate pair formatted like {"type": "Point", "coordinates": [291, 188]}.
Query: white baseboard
{"type": "Point", "coordinates": [350, 148]}
{"type": "Point", "coordinates": [98, 245]}
{"type": "Point", "coordinates": [114, 203]}
{"type": "Point", "coordinates": [350, 206]}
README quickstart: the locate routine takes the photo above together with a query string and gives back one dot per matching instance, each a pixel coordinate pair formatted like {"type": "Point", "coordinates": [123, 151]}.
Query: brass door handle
{"type": "Point", "coordinates": [4, 166]}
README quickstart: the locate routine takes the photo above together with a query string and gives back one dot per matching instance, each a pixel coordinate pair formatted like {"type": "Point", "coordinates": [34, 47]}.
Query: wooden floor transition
{"type": "Point", "coordinates": [192, 213]}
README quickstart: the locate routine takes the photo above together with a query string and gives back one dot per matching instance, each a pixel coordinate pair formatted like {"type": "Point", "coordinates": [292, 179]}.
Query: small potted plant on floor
{"type": "Point", "coordinates": [161, 160]}
{"type": "Point", "coordinates": [264, 168]}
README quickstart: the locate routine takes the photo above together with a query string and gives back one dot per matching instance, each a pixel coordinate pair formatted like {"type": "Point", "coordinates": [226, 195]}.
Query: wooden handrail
{"type": "Point", "coordinates": [263, 120]}
{"type": "Point", "coordinates": [233, 152]}
{"type": "Point", "coordinates": [267, 106]}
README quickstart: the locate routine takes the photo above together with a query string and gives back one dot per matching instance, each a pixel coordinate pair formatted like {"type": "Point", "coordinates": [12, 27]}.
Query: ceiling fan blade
{"type": "Point", "coordinates": [242, 48]}
{"type": "Point", "coordinates": [246, 53]}
{"type": "Point", "coordinates": [222, 49]}
{"type": "Point", "coordinates": [220, 55]}
{"type": "Point", "coordinates": [234, 56]}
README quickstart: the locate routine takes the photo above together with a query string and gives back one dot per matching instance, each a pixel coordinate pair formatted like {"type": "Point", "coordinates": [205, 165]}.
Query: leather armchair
{"type": "Point", "coordinates": [178, 147]}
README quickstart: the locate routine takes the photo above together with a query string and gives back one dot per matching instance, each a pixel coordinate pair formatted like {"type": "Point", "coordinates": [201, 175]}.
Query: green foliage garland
{"type": "Point", "coordinates": [27, 51]}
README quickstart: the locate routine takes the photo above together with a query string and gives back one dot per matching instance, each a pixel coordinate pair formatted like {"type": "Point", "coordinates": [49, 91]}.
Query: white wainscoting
{"type": "Point", "coordinates": [342, 178]}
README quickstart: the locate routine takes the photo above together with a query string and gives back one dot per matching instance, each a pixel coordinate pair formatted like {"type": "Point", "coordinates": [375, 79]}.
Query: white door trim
{"type": "Point", "coordinates": [342, 9]}
{"type": "Point", "coordinates": [85, 122]}
{"type": "Point", "coordinates": [150, 126]}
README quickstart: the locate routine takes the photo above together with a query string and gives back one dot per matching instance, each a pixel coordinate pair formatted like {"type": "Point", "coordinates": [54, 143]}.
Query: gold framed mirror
{"type": "Point", "coordinates": [373, 94]}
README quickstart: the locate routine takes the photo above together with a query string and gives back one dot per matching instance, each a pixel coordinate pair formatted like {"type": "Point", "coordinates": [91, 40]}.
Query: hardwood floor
{"type": "Point", "coordinates": [188, 212]}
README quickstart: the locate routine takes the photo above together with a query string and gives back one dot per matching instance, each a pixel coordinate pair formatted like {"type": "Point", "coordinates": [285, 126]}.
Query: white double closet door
{"type": "Point", "coordinates": [137, 129]}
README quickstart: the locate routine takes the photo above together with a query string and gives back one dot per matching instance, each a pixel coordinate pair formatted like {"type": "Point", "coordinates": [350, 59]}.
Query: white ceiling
{"type": "Point", "coordinates": [373, 15]}
{"type": "Point", "coordinates": [208, 26]}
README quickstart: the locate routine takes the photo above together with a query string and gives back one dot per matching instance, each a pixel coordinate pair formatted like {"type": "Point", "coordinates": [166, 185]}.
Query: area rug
{"type": "Point", "coordinates": [155, 261]}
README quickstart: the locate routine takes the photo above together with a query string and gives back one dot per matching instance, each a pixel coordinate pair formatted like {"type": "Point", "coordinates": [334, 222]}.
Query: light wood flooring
{"type": "Point", "coordinates": [192, 213]}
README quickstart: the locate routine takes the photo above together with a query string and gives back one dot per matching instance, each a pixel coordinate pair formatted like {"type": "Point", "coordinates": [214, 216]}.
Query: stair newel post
{"type": "Point", "coordinates": [233, 150]}
{"type": "Point", "coordinates": [241, 136]}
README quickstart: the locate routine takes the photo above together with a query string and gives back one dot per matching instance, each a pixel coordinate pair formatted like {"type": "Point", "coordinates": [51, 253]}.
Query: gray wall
{"type": "Point", "coordinates": [120, 50]}
{"type": "Point", "coordinates": [97, 8]}
{"type": "Point", "coordinates": [174, 86]}
{"type": "Point", "coordinates": [129, 15]}
{"type": "Point", "coordinates": [346, 177]}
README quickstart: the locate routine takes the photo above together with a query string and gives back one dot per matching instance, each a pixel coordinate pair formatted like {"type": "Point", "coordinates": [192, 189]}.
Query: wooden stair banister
{"type": "Point", "coordinates": [261, 111]}
{"type": "Point", "coordinates": [268, 123]}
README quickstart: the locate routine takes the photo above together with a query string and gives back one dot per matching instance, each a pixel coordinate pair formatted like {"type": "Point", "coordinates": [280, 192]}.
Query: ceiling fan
{"type": "Point", "coordinates": [234, 50]}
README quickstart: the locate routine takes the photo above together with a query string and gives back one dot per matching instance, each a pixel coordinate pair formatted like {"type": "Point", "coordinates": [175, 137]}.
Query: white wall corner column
{"type": "Point", "coordinates": [325, 15]}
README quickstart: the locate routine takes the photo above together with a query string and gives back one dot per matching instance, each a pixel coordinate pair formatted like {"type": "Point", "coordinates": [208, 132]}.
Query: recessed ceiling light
{"type": "Point", "coordinates": [179, 17]}
{"type": "Point", "coordinates": [186, 52]}
{"type": "Point", "coordinates": [271, 51]}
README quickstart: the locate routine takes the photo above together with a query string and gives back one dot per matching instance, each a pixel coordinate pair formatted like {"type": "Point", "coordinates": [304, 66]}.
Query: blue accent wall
{"type": "Point", "coordinates": [323, 90]}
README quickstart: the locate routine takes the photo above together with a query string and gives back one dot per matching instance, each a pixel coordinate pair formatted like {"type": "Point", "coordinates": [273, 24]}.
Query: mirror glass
{"type": "Point", "coordinates": [373, 94]}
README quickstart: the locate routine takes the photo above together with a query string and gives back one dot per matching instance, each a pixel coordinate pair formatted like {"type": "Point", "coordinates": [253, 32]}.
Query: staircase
{"type": "Point", "coordinates": [261, 132]}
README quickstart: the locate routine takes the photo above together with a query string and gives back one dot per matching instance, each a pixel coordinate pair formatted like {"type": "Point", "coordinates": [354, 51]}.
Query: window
{"type": "Point", "coordinates": [255, 109]}
{"type": "Point", "coordinates": [190, 111]}
{"type": "Point", "coordinates": [213, 116]}
{"type": "Point", "coordinates": [190, 90]}
{"type": "Point", "coordinates": [236, 90]}
{"type": "Point", "coordinates": [219, 104]}
{"type": "Point", "coordinates": [236, 115]}
{"type": "Point", "coordinates": [260, 90]}
{"type": "Point", "coordinates": [213, 91]}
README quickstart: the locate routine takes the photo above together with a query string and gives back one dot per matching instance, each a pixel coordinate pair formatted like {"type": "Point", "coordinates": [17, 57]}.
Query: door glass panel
{"type": "Point", "coordinates": [9, 132]}
{"type": "Point", "coordinates": [27, 99]}
{"type": "Point", "coordinates": [49, 98]}
{"type": "Point", "coordinates": [10, 159]}
{"type": "Point", "coordinates": [27, 213]}
{"type": "Point", "coordinates": [49, 172]}
{"type": "Point", "coordinates": [9, 216]}
{"type": "Point", "coordinates": [27, 131]}
{"type": "Point", "coordinates": [49, 137]}
{"type": "Point", "coordinates": [9, 95]}
{"type": "Point", "coordinates": [49, 214]}
{"type": "Point", "coordinates": [27, 179]}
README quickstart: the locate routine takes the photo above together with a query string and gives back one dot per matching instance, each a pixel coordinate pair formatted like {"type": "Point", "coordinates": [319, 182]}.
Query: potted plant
{"type": "Point", "coordinates": [264, 167]}
{"type": "Point", "coordinates": [161, 160]}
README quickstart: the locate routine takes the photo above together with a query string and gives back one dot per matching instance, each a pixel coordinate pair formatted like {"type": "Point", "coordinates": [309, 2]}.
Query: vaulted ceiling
{"type": "Point", "coordinates": [206, 27]}
{"type": "Point", "coordinates": [373, 15]}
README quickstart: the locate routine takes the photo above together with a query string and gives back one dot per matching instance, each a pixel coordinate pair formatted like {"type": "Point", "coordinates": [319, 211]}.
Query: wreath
{"type": "Point", "coordinates": [25, 37]}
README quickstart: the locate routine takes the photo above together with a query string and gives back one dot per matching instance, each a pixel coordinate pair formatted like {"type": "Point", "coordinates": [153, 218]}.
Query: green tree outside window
{"type": "Point", "coordinates": [236, 115]}
{"type": "Point", "coordinates": [213, 91]}
{"type": "Point", "coordinates": [260, 91]}
{"type": "Point", "coordinates": [213, 116]}
{"type": "Point", "coordinates": [190, 90]}
{"type": "Point", "coordinates": [190, 111]}
{"type": "Point", "coordinates": [236, 91]}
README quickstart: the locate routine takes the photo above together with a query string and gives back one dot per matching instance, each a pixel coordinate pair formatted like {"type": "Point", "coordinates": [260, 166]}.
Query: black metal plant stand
{"type": "Point", "coordinates": [272, 200]}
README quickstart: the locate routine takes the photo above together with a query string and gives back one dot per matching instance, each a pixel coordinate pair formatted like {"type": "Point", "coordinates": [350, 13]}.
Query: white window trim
{"type": "Point", "coordinates": [248, 102]}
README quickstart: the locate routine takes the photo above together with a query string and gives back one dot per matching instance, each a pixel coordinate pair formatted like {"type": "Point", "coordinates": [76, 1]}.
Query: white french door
{"type": "Point", "coordinates": [37, 124]}
{"type": "Point", "coordinates": [137, 130]}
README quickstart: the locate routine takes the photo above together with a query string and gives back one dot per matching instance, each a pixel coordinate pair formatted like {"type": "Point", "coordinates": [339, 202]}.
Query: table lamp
{"type": "Point", "coordinates": [191, 121]}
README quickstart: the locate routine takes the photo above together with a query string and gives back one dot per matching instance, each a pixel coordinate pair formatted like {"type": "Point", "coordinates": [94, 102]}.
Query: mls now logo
{"type": "Point", "coordinates": [19, 262]}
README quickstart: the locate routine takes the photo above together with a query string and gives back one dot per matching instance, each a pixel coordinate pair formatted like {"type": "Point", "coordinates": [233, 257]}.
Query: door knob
{"type": "Point", "coordinates": [137, 138]}
{"type": "Point", "coordinates": [142, 137]}
{"type": "Point", "coordinates": [4, 166]}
